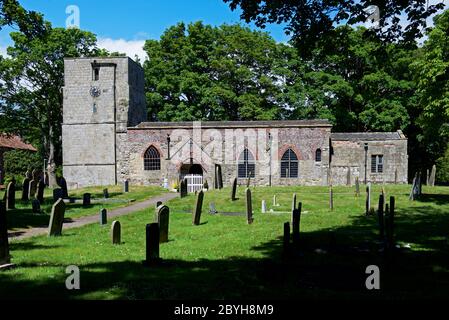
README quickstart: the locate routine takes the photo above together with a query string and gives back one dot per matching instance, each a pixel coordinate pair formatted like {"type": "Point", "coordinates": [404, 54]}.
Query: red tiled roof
{"type": "Point", "coordinates": [14, 142]}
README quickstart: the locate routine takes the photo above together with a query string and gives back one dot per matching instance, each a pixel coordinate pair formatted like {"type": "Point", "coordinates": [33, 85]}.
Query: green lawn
{"type": "Point", "coordinates": [224, 258]}
{"type": "Point", "coordinates": [23, 217]}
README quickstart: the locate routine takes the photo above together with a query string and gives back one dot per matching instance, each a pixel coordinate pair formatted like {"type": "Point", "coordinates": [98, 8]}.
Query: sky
{"type": "Point", "coordinates": [125, 25]}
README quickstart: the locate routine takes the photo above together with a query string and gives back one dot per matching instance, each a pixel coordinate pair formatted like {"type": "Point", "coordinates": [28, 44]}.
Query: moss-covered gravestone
{"type": "Point", "coordinates": [56, 218]}
{"type": "Point", "coordinates": [198, 208]}
{"type": "Point", "coordinates": [163, 217]}
{"type": "Point", "coordinates": [249, 207]}
{"type": "Point", "coordinates": [234, 189]}
{"type": "Point", "coordinates": [25, 187]}
{"type": "Point", "coordinates": [116, 232]}
{"type": "Point", "coordinates": [11, 195]}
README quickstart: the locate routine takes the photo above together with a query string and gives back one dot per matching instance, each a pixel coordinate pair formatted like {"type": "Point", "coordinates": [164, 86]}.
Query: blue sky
{"type": "Point", "coordinates": [124, 25]}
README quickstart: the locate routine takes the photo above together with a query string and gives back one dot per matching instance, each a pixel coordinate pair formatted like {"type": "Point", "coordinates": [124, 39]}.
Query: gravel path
{"type": "Point", "coordinates": [79, 222]}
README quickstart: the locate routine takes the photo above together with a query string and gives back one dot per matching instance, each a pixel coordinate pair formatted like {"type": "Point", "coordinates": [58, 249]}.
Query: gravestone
{"type": "Point", "coordinates": [286, 238]}
{"type": "Point", "coordinates": [163, 217]}
{"type": "Point", "coordinates": [368, 199]}
{"type": "Point", "coordinates": [432, 176]}
{"type": "Point", "coordinates": [212, 209]}
{"type": "Point", "coordinates": [198, 208]}
{"type": "Point", "coordinates": [126, 186]}
{"type": "Point", "coordinates": [159, 203]}
{"type": "Point", "coordinates": [4, 242]}
{"type": "Point", "coordinates": [105, 193]}
{"type": "Point", "coordinates": [86, 199]}
{"type": "Point", "coordinates": [40, 191]}
{"type": "Point", "coordinates": [63, 184]}
{"type": "Point", "coordinates": [296, 218]}
{"type": "Point", "coordinates": [234, 189]}
{"type": "Point", "coordinates": [28, 175]}
{"type": "Point", "coordinates": [36, 175]}
{"type": "Point", "coordinates": [57, 194]}
{"type": "Point", "coordinates": [183, 188]}
{"type": "Point", "coordinates": [46, 179]}
{"type": "Point", "coordinates": [427, 177]}
{"type": "Point", "coordinates": [390, 223]}
{"type": "Point", "coordinates": [357, 187]}
{"type": "Point", "coordinates": [294, 202]}
{"type": "Point", "coordinates": [249, 207]}
{"type": "Point", "coordinates": [331, 198]}
{"type": "Point", "coordinates": [348, 177]}
{"type": "Point", "coordinates": [264, 206]}
{"type": "Point", "coordinates": [36, 205]}
{"type": "Point", "coordinates": [218, 177]}
{"type": "Point", "coordinates": [275, 204]}
{"type": "Point", "coordinates": [248, 181]}
{"type": "Point", "coordinates": [11, 196]}
{"type": "Point", "coordinates": [103, 217]}
{"type": "Point", "coordinates": [116, 231]}
{"type": "Point", "coordinates": [25, 187]}
{"type": "Point", "coordinates": [152, 244]}
{"type": "Point", "coordinates": [56, 218]}
{"type": "Point", "coordinates": [380, 217]}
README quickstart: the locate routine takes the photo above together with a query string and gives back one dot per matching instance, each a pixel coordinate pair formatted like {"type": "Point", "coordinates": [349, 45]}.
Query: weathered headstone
{"type": "Point", "coordinates": [56, 218]}
{"type": "Point", "coordinates": [249, 206]}
{"type": "Point", "coordinates": [40, 191]}
{"type": "Point", "coordinates": [86, 199]}
{"type": "Point", "coordinates": [264, 206]}
{"type": "Point", "coordinates": [212, 208]}
{"type": "Point", "coordinates": [275, 204]}
{"type": "Point", "coordinates": [368, 198]}
{"type": "Point", "coordinates": [116, 231]}
{"type": "Point", "coordinates": [158, 203]}
{"type": "Point", "coordinates": [152, 244]}
{"type": "Point", "coordinates": [348, 177]}
{"type": "Point", "coordinates": [63, 184]}
{"type": "Point", "coordinates": [331, 198]}
{"type": "Point", "coordinates": [163, 218]}
{"type": "Point", "coordinates": [432, 176]}
{"type": "Point", "coordinates": [4, 242]}
{"type": "Point", "coordinates": [183, 188]}
{"type": "Point", "coordinates": [105, 193]}
{"type": "Point", "coordinates": [357, 187]}
{"type": "Point", "coordinates": [198, 208]}
{"type": "Point", "coordinates": [234, 189]}
{"type": "Point", "coordinates": [294, 202]}
{"type": "Point", "coordinates": [427, 177]}
{"type": "Point", "coordinates": [25, 187]}
{"type": "Point", "coordinates": [380, 216]}
{"type": "Point", "coordinates": [218, 177]}
{"type": "Point", "coordinates": [57, 194]}
{"type": "Point", "coordinates": [126, 186]}
{"type": "Point", "coordinates": [36, 205]}
{"type": "Point", "coordinates": [103, 217]}
{"type": "Point", "coordinates": [11, 196]}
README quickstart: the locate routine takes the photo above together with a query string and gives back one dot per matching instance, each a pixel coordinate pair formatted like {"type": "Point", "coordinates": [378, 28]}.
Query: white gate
{"type": "Point", "coordinates": [194, 182]}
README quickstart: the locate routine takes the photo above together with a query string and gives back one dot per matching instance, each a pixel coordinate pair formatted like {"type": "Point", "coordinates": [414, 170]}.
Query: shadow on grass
{"type": "Point", "coordinates": [439, 199]}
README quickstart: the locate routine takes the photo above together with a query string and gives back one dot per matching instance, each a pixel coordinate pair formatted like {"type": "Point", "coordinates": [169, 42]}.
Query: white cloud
{"type": "Point", "coordinates": [3, 51]}
{"type": "Point", "coordinates": [130, 47]}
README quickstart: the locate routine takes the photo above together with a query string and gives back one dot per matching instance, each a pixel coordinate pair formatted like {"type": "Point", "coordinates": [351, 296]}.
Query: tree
{"type": "Point", "coordinates": [31, 87]}
{"type": "Point", "coordinates": [311, 20]}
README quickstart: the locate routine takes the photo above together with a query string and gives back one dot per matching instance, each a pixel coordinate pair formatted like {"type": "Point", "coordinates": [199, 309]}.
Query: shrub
{"type": "Point", "coordinates": [442, 164]}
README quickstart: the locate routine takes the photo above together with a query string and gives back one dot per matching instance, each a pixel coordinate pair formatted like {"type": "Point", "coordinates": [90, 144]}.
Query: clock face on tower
{"type": "Point", "coordinates": [95, 92]}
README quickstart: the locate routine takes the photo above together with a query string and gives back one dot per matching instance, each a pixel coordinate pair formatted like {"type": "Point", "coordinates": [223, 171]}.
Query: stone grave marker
{"type": "Point", "coordinates": [348, 177]}
{"type": "Point", "coordinates": [40, 191]}
{"type": "Point", "coordinates": [427, 177]}
{"type": "Point", "coordinates": [357, 187]}
{"type": "Point", "coordinates": [368, 199]}
{"type": "Point", "coordinates": [36, 175]}
{"type": "Point", "coordinates": [63, 184]}
{"type": "Point", "coordinates": [234, 189]}
{"type": "Point", "coordinates": [57, 194]}
{"type": "Point", "coordinates": [25, 187]}
{"type": "Point", "coordinates": [264, 206]}
{"type": "Point", "coordinates": [163, 218]}
{"type": "Point", "coordinates": [249, 207]}
{"type": "Point", "coordinates": [294, 202]}
{"type": "Point", "coordinates": [126, 186]}
{"type": "Point", "coordinates": [86, 199]}
{"type": "Point", "coordinates": [103, 217]}
{"type": "Point", "coordinates": [183, 188]}
{"type": "Point", "coordinates": [11, 196]}
{"type": "Point", "coordinates": [105, 193]}
{"type": "Point", "coordinates": [28, 175]}
{"type": "Point", "coordinates": [212, 208]}
{"type": "Point", "coordinates": [4, 242]}
{"type": "Point", "coordinates": [198, 208]}
{"type": "Point", "coordinates": [380, 217]}
{"type": "Point", "coordinates": [56, 218]}
{"type": "Point", "coordinates": [159, 203]}
{"type": "Point", "coordinates": [331, 198]}
{"type": "Point", "coordinates": [152, 244]}
{"type": "Point", "coordinates": [275, 204]}
{"type": "Point", "coordinates": [116, 231]}
{"type": "Point", "coordinates": [432, 176]}
{"type": "Point", "coordinates": [36, 205]}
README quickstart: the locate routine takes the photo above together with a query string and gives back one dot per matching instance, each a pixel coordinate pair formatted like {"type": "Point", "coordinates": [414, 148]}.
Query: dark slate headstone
{"type": "Point", "coordinates": [57, 194]}
{"type": "Point", "coordinates": [86, 199]}
{"type": "Point", "coordinates": [183, 188]}
{"type": "Point", "coordinates": [32, 189]}
{"type": "Point", "coordinates": [40, 191]}
{"type": "Point", "coordinates": [25, 188]}
{"type": "Point", "coordinates": [294, 202]}
{"type": "Point", "coordinates": [159, 203]}
{"type": "Point", "coordinates": [11, 196]}
{"type": "Point", "coordinates": [234, 189]}
{"type": "Point", "coordinates": [249, 207]}
{"type": "Point", "coordinates": [198, 208]}
{"type": "Point", "coordinates": [63, 184]}
{"type": "Point", "coordinates": [219, 177]}
{"type": "Point", "coordinates": [4, 243]}
{"type": "Point", "coordinates": [126, 186]}
{"type": "Point", "coordinates": [56, 218]}
{"type": "Point", "coordinates": [36, 205]}
{"type": "Point", "coordinates": [163, 218]}
{"type": "Point", "coordinates": [152, 244]}
{"type": "Point", "coordinates": [105, 193]}
{"type": "Point", "coordinates": [116, 231]}
{"type": "Point", "coordinates": [103, 217]}
{"type": "Point", "coordinates": [36, 175]}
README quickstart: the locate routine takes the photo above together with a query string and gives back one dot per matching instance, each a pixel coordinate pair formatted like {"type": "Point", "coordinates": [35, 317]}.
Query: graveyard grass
{"type": "Point", "coordinates": [225, 258]}
{"type": "Point", "coordinates": [23, 217]}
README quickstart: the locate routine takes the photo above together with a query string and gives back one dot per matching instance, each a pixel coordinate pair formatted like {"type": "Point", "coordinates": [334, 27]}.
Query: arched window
{"type": "Point", "coordinates": [289, 164]}
{"type": "Point", "coordinates": [318, 155]}
{"type": "Point", "coordinates": [152, 159]}
{"type": "Point", "coordinates": [246, 165]}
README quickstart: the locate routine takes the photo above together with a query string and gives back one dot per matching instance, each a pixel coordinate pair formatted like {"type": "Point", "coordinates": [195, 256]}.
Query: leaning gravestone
{"type": "Point", "coordinates": [163, 218]}
{"type": "Point", "coordinates": [86, 199]}
{"type": "Point", "coordinates": [294, 202]}
{"type": "Point", "coordinates": [36, 205]}
{"type": "Point", "coordinates": [63, 184]}
{"type": "Point", "coordinates": [40, 191]}
{"type": "Point", "coordinates": [105, 193]}
{"type": "Point", "coordinates": [25, 187]}
{"type": "Point", "coordinates": [11, 196]}
{"type": "Point", "coordinates": [152, 244]}
{"type": "Point", "coordinates": [116, 232]}
{"type": "Point", "coordinates": [249, 207]}
{"type": "Point", "coordinates": [198, 208]}
{"type": "Point", "coordinates": [4, 243]}
{"type": "Point", "coordinates": [57, 194]}
{"type": "Point", "coordinates": [56, 218]}
{"type": "Point", "coordinates": [103, 217]}
{"type": "Point", "coordinates": [234, 189]}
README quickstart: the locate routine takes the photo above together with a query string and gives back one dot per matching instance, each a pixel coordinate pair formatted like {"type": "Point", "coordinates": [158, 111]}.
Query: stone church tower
{"type": "Point", "coordinates": [102, 97]}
